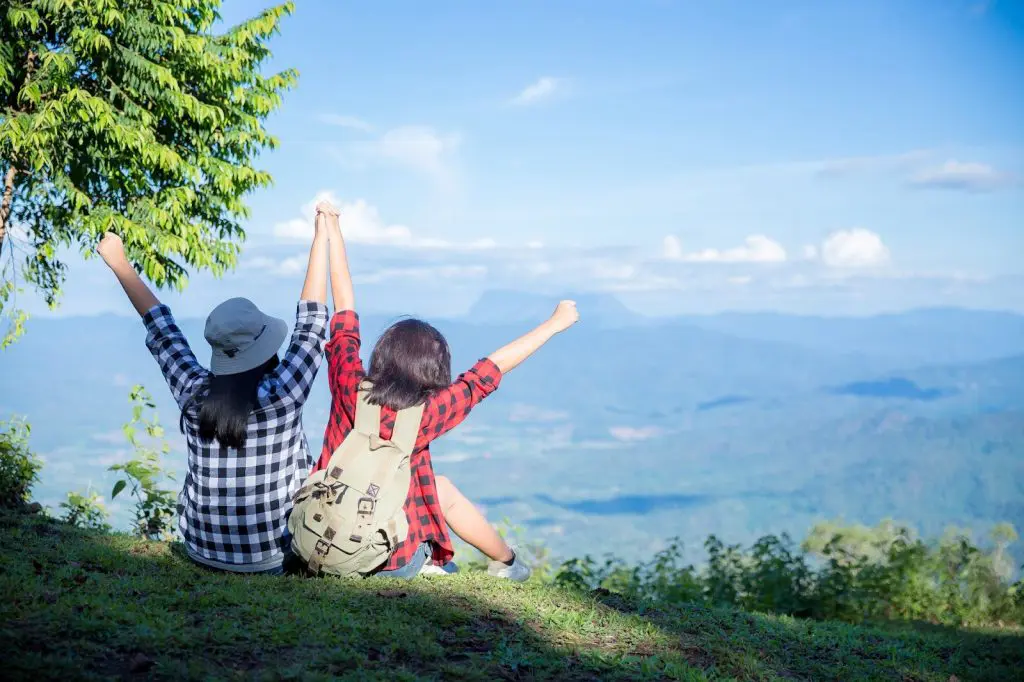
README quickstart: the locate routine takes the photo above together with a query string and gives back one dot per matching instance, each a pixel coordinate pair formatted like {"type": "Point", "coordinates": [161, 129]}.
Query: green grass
{"type": "Point", "coordinates": [84, 605]}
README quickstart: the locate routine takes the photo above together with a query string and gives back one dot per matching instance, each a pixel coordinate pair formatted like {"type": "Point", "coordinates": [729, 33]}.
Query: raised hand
{"type": "Point", "coordinates": [328, 209]}
{"type": "Point", "coordinates": [111, 249]}
{"type": "Point", "coordinates": [565, 315]}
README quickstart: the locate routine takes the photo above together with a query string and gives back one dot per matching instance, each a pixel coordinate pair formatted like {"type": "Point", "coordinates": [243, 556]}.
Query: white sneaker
{"type": "Point", "coordinates": [518, 571]}
{"type": "Point", "coordinates": [433, 569]}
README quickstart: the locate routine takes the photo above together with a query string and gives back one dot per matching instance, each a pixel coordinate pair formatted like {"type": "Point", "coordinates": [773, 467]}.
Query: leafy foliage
{"type": "Point", "coordinates": [85, 511]}
{"type": "Point", "coordinates": [155, 507]}
{"type": "Point", "coordinates": [14, 325]}
{"type": "Point", "coordinates": [848, 573]}
{"type": "Point", "coordinates": [19, 466]}
{"type": "Point", "coordinates": [132, 117]}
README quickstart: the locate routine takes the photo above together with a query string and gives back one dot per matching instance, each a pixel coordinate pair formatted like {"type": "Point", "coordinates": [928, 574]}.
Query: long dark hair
{"type": "Point", "coordinates": [410, 361]}
{"type": "Point", "coordinates": [225, 409]}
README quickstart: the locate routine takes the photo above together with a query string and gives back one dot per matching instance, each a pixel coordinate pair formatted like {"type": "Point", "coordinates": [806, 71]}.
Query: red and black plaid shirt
{"type": "Point", "coordinates": [444, 411]}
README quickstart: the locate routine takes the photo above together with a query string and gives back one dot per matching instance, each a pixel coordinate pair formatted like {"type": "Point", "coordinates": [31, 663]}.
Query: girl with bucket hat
{"type": "Point", "coordinates": [242, 417]}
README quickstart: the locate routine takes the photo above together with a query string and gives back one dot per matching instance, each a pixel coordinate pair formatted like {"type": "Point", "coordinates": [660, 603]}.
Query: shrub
{"type": "Point", "coordinates": [849, 573]}
{"type": "Point", "coordinates": [19, 466]}
{"type": "Point", "coordinates": [86, 511]}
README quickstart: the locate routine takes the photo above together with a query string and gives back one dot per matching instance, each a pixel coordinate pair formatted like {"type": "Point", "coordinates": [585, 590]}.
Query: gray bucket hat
{"type": "Point", "coordinates": [242, 336]}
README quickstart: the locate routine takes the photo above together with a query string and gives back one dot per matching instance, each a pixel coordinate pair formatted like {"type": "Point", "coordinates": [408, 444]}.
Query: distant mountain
{"type": "Point", "coordinates": [503, 307]}
{"type": "Point", "coordinates": [918, 337]}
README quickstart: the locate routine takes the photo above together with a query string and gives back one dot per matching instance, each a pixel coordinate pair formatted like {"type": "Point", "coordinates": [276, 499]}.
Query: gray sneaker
{"type": "Point", "coordinates": [518, 571]}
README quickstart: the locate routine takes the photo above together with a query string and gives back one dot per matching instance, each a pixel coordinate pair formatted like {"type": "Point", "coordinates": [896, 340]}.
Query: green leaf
{"type": "Point", "coordinates": [118, 487]}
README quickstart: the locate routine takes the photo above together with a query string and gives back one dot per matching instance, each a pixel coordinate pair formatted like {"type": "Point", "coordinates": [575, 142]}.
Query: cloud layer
{"type": "Point", "coordinates": [958, 175]}
{"type": "Point", "coordinates": [542, 89]}
{"type": "Point", "coordinates": [755, 249]}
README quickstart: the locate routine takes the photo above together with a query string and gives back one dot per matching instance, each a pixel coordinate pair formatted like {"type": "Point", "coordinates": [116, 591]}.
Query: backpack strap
{"type": "Point", "coordinates": [367, 416]}
{"type": "Point", "coordinates": [407, 428]}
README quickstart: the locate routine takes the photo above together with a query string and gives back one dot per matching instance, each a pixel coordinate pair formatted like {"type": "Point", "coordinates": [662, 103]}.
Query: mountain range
{"type": "Point", "coordinates": [629, 430]}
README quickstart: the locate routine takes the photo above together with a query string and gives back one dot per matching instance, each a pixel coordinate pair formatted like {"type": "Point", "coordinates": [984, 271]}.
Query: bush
{"type": "Point", "coordinates": [19, 466]}
{"type": "Point", "coordinates": [86, 511]}
{"type": "Point", "coordinates": [840, 573]}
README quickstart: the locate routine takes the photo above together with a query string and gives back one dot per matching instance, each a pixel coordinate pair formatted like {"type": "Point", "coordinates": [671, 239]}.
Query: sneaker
{"type": "Point", "coordinates": [518, 571]}
{"type": "Point", "coordinates": [433, 569]}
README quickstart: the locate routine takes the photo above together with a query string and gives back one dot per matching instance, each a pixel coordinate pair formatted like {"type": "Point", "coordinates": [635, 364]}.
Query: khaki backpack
{"type": "Point", "coordinates": [348, 517]}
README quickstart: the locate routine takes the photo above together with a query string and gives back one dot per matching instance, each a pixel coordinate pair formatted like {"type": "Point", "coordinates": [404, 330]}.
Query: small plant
{"type": "Point", "coordinates": [86, 511]}
{"type": "Point", "coordinates": [155, 507]}
{"type": "Point", "coordinates": [535, 554]}
{"type": "Point", "coordinates": [19, 466]}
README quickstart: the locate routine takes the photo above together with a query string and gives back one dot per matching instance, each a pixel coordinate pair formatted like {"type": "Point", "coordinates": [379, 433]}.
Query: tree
{"type": "Point", "coordinates": [130, 116]}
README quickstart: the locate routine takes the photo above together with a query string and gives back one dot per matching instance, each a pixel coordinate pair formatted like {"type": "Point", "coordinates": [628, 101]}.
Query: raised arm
{"type": "Point", "coordinates": [164, 338]}
{"type": "Point", "coordinates": [315, 287]}
{"type": "Point", "coordinates": [448, 407]}
{"type": "Point", "coordinates": [111, 250]}
{"type": "Point", "coordinates": [305, 350]}
{"type": "Point", "coordinates": [341, 279]}
{"type": "Point", "coordinates": [512, 355]}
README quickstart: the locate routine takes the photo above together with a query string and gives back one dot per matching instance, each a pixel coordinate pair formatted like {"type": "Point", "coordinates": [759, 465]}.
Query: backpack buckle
{"type": "Point", "coordinates": [322, 547]}
{"type": "Point", "coordinates": [365, 506]}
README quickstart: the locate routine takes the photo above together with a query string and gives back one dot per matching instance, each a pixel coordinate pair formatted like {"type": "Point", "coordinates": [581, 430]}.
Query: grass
{"type": "Point", "coordinates": [84, 605]}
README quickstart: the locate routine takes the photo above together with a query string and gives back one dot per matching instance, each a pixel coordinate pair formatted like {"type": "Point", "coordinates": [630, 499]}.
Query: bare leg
{"type": "Point", "coordinates": [468, 523]}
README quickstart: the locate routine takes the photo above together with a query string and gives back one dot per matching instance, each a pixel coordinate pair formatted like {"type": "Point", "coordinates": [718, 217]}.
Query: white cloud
{"type": "Point", "coordinates": [632, 434]}
{"type": "Point", "coordinates": [965, 176]}
{"type": "Point", "coordinates": [542, 89]}
{"type": "Point", "coordinates": [112, 437]}
{"type": "Point", "coordinates": [606, 269]}
{"type": "Point", "coordinates": [284, 267]}
{"type": "Point", "coordinates": [424, 273]}
{"type": "Point", "coordinates": [452, 457]}
{"type": "Point", "coordinates": [756, 249]}
{"type": "Point", "coordinates": [530, 413]}
{"type": "Point", "coordinates": [854, 248]}
{"type": "Point", "coordinates": [854, 164]}
{"type": "Point", "coordinates": [419, 148]}
{"type": "Point", "coordinates": [361, 223]}
{"type": "Point", "coordinates": [672, 248]}
{"type": "Point", "coordinates": [350, 122]}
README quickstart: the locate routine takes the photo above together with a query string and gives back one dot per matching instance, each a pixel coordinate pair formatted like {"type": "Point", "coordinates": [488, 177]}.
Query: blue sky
{"type": "Point", "coordinates": [816, 157]}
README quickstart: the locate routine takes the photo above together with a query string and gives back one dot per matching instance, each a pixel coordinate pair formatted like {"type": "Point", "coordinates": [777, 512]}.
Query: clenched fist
{"type": "Point", "coordinates": [111, 249]}
{"type": "Point", "coordinates": [565, 315]}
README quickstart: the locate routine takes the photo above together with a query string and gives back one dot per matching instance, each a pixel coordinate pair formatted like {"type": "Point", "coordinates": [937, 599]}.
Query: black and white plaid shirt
{"type": "Point", "coordinates": [234, 503]}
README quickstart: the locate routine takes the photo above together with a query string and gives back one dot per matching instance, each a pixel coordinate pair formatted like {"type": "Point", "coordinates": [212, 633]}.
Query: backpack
{"type": "Point", "coordinates": [348, 518]}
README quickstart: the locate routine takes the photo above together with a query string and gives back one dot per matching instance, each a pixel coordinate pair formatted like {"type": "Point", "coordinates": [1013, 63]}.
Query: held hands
{"type": "Point", "coordinates": [327, 216]}
{"type": "Point", "coordinates": [111, 250]}
{"type": "Point", "coordinates": [565, 316]}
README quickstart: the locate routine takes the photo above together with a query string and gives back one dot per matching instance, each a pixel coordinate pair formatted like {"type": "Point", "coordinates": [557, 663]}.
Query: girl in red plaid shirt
{"type": "Point", "coordinates": [411, 365]}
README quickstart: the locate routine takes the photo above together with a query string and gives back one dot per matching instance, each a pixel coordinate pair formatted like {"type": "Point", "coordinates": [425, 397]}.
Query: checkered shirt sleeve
{"type": "Point", "coordinates": [170, 348]}
{"type": "Point", "coordinates": [305, 351]}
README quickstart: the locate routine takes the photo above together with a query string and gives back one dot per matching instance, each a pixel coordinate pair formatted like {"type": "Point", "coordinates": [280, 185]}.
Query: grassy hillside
{"type": "Point", "coordinates": [83, 605]}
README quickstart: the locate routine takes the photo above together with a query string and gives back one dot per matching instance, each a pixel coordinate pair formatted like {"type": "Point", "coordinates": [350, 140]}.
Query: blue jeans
{"type": "Point", "coordinates": [411, 569]}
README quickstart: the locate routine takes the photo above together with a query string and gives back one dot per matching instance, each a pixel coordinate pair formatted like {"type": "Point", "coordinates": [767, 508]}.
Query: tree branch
{"type": "Point", "coordinates": [5, 205]}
